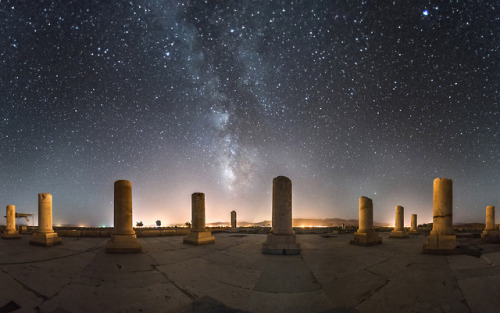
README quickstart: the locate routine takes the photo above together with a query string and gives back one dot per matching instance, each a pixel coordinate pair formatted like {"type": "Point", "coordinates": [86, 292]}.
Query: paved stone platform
{"type": "Point", "coordinates": [232, 275]}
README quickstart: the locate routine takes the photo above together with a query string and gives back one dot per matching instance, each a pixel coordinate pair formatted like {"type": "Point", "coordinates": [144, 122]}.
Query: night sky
{"type": "Point", "coordinates": [346, 98]}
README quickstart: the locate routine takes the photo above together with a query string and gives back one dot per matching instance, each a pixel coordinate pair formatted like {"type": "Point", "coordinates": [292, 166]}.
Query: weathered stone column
{"type": "Point", "coordinates": [233, 219]}
{"type": "Point", "coordinates": [399, 229]}
{"type": "Point", "coordinates": [198, 235]}
{"type": "Point", "coordinates": [123, 237]}
{"type": "Point", "coordinates": [281, 239]}
{"type": "Point", "coordinates": [366, 235]}
{"type": "Point", "coordinates": [45, 236]}
{"type": "Point", "coordinates": [490, 233]}
{"type": "Point", "coordinates": [442, 239]}
{"type": "Point", "coordinates": [10, 232]}
{"type": "Point", "coordinates": [413, 229]}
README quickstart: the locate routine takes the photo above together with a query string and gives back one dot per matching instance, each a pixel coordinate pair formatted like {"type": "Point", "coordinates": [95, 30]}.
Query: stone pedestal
{"type": "Point", "coordinates": [233, 219]}
{"type": "Point", "coordinates": [123, 237]}
{"type": "Point", "coordinates": [366, 235]}
{"type": "Point", "coordinates": [282, 239]}
{"type": "Point", "coordinates": [399, 229]}
{"type": "Point", "coordinates": [198, 235]}
{"type": "Point", "coordinates": [413, 229]}
{"type": "Point", "coordinates": [490, 233]}
{"type": "Point", "coordinates": [10, 232]}
{"type": "Point", "coordinates": [442, 240]}
{"type": "Point", "coordinates": [45, 236]}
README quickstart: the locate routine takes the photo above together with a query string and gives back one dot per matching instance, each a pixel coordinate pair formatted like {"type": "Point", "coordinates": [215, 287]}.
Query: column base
{"type": "Point", "coordinates": [491, 236]}
{"type": "Point", "coordinates": [281, 245]}
{"type": "Point", "coordinates": [45, 239]}
{"type": "Point", "coordinates": [440, 244]}
{"type": "Point", "coordinates": [199, 238]}
{"type": "Point", "coordinates": [367, 239]}
{"type": "Point", "coordinates": [401, 234]}
{"type": "Point", "coordinates": [412, 232]}
{"type": "Point", "coordinates": [11, 234]}
{"type": "Point", "coordinates": [123, 244]}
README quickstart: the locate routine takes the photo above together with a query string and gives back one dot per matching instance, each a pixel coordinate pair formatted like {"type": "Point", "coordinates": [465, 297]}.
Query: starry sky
{"type": "Point", "coordinates": [346, 98]}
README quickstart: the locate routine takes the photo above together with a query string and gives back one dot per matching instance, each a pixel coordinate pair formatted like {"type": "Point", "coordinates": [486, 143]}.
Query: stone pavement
{"type": "Point", "coordinates": [232, 275]}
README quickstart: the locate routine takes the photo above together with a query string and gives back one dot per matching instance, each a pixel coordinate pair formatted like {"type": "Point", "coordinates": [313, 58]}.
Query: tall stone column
{"type": "Point", "coordinates": [413, 229]}
{"type": "Point", "coordinates": [366, 235]}
{"type": "Point", "coordinates": [123, 237]}
{"type": "Point", "coordinates": [442, 239]}
{"type": "Point", "coordinates": [233, 219]}
{"type": "Point", "coordinates": [281, 239]}
{"type": "Point", "coordinates": [10, 232]}
{"type": "Point", "coordinates": [45, 236]}
{"type": "Point", "coordinates": [399, 229]}
{"type": "Point", "coordinates": [198, 235]}
{"type": "Point", "coordinates": [490, 233]}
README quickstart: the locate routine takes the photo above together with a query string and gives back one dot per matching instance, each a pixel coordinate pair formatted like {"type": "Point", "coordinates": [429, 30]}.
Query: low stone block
{"type": "Point", "coordinates": [106, 233]}
{"type": "Point", "coordinates": [11, 234]}
{"type": "Point", "coordinates": [440, 244]}
{"type": "Point", "coordinates": [199, 238]}
{"type": "Point", "coordinates": [148, 233]}
{"type": "Point", "coordinates": [367, 239]}
{"type": "Point", "coordinates": [412, 232]}
{"type": "Point", "coordinates": [398, 234]}
{"type": "Point", "coordinates": [168, 232]}
{"type": "Point", "coordinates": [91, 233]}
{"type": "Point", "coordinates": [491, 236]}
{"type": "Point", "coordinates": [281, 244]}
{"type": "Point", "coordinates": [123, 244]}
{"type": "Point", "coordinates": [69, 233]}
{"type": "Point", "coordinates": [45, 239]}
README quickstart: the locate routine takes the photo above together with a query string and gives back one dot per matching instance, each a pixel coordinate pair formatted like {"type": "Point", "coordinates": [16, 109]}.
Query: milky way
{"type": "Point", "coordinates": [346, 99]}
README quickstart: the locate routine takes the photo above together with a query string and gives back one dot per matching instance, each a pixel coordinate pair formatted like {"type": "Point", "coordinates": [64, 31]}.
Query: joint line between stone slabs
{"type": "Point", "coordinates": [38, 295]}
{"type": "Point", "coordinates": [458, 285]}
{"type": "Point", "coordinates": [54, 258]}
{"type": "Point", "coordinates": [188, 294]}
{"type": "Point", "coordinates": [375, 290]}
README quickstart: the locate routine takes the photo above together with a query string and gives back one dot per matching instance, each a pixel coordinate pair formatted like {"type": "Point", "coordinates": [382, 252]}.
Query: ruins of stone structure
{"type": "Point", "coordinates": [10, 232]}
{"type": "Point", "coordinates": [45, 235]}
{"type": "Point", "coordinates": [123, 237]}
{"type": "Point", "coordinates": [198, 235]}
{"type": "Point", "coordinates": [413, 229]}
{"type": "Point", "coordinates": [366, 235]}
{"type": "Point", "coordinates": [233, 219]}
{"type": "Point", "coordinates": [399, 229]}
{"type": "Point", "coordinates": [442, 240]}
{"type": "Point", "coordinates": [490, 233]}
{"type": "Point", "coordinates": [281, 239]}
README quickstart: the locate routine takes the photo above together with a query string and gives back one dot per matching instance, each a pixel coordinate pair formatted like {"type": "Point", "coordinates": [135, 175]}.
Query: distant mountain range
{"type": "Point", "coordinates": [297, 222]}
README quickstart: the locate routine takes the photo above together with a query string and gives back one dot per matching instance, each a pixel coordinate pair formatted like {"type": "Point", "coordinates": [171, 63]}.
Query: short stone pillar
{"type": "Point", "coordinates": [399, 229]}
{"type": "Point", "coordinates": [366, 235]}
{"type": "Point", "coordinates": [123, 237]}
{"type": "Point", "coordinates": [45, 235]}
{"type": "Point", "coordinates": [198, 235]}
{"type": "Point", "coordinates": [490, 233]}
{"type": "Point", "coordinates": [413, 229]}
{"type": "Point", "coordinates": [233, 219]}
{"type": "Point", "coordinates": [281, 239]}
{"type": "Point", "coordinates": [10, 232]}
{"type": "Point", "coordinates": [442, 240]}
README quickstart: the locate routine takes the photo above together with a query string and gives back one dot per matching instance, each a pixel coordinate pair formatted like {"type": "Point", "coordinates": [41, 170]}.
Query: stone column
{"type": "Point", "coordinates": [198, 235]}
{"type": "Point", "coordinates": [233, 219]}
{"type": "Point", "coordinates": [123, 237]}
{"type": "Point", "coordinates": [490, 234]}
{"type": "Point", "coordinates": [399, 229]}
{"type": "Point", "coordinates": [45, 235]}
{"type": "Point", "coordinates": [10, 232]}
{"type": "Point", "coordinates": [442, 239]}
{"type": "Point", "coordinates": [413, 229]}
{"type": "Point", "coordinates": [366, 235]}
{"type": "Point", "coordinates": [281, 239]}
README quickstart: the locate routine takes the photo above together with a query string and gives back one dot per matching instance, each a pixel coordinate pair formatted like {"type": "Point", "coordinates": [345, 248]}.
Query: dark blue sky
{"type": "Point", "coordinates": [219, 97]}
